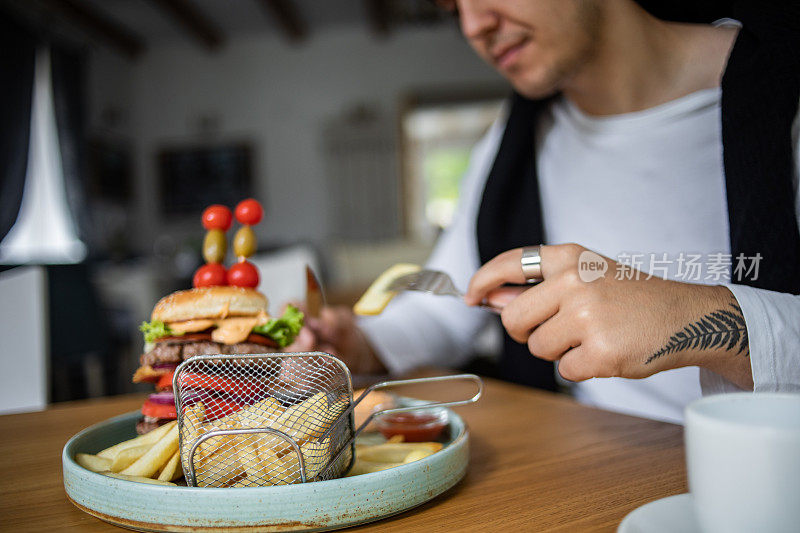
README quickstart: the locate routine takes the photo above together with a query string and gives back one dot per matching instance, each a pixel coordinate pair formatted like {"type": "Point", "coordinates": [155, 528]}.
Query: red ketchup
{"type": "Point", "coordinates": [419, 426]}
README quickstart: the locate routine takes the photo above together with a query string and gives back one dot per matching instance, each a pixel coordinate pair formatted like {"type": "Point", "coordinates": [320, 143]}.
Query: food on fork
{"type": "Point", "coordinates": [377, 296]}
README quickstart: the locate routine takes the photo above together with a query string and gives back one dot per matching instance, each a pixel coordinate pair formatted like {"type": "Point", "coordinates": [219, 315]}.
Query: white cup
{"type": "Point", "coordinates": [743, 460]}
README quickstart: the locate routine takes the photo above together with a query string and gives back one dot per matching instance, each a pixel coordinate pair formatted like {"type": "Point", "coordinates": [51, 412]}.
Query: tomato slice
{"type": "Point", "coordinates": [255, 338]}
{"type": "Point", "coordinates": [186, 337]}
{"type": "Point", "coordinates": [220, 384]}
{"type": "Point", "coordinates": [165, 381]}
{"type": "Point", "coordinates": [159, 410]}
{"type": "Point", "coordinates": [217, 407]}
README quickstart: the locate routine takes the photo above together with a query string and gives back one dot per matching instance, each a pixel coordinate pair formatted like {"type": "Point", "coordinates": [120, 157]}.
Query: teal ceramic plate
{"type": "Point", "coordinates": [319, 506]}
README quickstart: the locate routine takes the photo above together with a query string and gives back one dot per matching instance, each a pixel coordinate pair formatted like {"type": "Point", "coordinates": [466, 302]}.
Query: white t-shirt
{"type": "Point", "coordinates": [647, 183]}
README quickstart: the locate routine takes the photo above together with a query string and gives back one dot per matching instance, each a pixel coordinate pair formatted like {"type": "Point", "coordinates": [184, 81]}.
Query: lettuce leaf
{"type": "Point", "coordinates": [155, 330]}
{"type": "Point", "coordinates": [282, 330]}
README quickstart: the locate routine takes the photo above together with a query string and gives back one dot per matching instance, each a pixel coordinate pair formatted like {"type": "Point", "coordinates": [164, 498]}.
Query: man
{"type": "Point", "coordinates": [614, 142]}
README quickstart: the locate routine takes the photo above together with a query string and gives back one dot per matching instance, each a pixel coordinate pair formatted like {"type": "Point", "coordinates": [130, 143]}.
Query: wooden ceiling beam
{"type": "Point", "coordinates": [287, 17]}
{"type": "Point", "coordinates": [379, 16]}
{"type": "Point", "coordinates": [199, 26]}
{"type": "Point", "coordinates": [94, 22]}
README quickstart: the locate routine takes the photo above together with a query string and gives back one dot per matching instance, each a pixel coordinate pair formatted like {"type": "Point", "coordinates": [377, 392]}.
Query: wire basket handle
{"type": "Point", "coordinates": [386, 384]}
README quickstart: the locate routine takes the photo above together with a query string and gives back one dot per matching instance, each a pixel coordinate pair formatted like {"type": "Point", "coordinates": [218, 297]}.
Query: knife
{"type": "Point", "coordinates": [315, 297]}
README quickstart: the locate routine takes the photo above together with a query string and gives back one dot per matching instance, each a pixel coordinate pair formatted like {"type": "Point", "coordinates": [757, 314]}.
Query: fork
{"type": "Point", "coordinates": [433, 282]}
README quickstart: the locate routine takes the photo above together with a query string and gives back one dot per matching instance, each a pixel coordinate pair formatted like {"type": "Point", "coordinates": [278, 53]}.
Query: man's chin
{"type": "Point", "coordinates": [535, 83]}
{"type": "Point", "coordinates": [535, 90]}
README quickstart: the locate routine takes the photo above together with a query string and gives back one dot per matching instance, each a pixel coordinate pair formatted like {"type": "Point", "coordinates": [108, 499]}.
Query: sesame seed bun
{"type": "Point", "coordinates": [209, 302]}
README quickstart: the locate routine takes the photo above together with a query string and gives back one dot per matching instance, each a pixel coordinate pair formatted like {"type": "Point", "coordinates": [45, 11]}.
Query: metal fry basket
{"type": "Point", "coordinates": [273, 419]}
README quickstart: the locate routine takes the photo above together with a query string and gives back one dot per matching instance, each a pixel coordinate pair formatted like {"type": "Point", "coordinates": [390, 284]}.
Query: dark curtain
{"type": "Point", "coordinates": [17, 58]}
{"type": "Point", "coordinates": [78, 328]}
{"type": "Point", "coordinates": [68, 67]}
{"type": "Point", "coordinates": [78, 324]}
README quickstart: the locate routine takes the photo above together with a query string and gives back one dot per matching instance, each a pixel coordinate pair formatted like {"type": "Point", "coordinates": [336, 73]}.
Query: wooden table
{"type": "Point", "coordinates": [539, 461]}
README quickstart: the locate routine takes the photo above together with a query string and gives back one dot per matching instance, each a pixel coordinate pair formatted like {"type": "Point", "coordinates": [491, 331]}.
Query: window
{"type": "Point", "coordinates": [437, 142]}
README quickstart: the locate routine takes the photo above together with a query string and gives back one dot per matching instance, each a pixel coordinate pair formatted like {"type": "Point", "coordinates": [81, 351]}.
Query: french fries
{"type": "Point", "coordinates": [256, 459]}
{"type": "Point", "coordinates": [172, 470]}
{"type": "Point", "coordinates": [389, 455]}
{"type": "Point", "coordinates": [416, 455]}
{"type": "Point", "coordinates": [152, 455]}
{"type": "Point", "coordinates": [316, 456]}
{"type": "Point", "coordinates": [252, 455]}
{"type": "Point", "coordinates": [193, 429]}
{"type": "Point", "coordinates": [310, 418]}
{"type": "Point", "coordinates": [250, 459]}
{"type": "Point", "coordinates": [253, 416]}
{"type": "Point", "coordinates": [377, 297]}
{"type": "Point", "coordinates": [397, 452]}
{"type": "Point", "coordinates": [367, 467]}
{"type": "Point", "coordinates": [221, 467]}
{"type": "Point", "coordinates": [93, 462]}
{"type": "Point", "coordinates": [150, 437]}
{"type": "Point", "coordinates": [128, 456]}
{"type": "Point", "coordinates": [149, 463]}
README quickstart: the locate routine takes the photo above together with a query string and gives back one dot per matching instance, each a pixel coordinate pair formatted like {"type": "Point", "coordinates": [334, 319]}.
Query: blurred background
{"type": "Point", "coordinates": [350, 121]}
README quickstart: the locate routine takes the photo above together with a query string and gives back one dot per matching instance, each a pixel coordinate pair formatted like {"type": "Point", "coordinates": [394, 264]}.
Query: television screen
{"type": "Point", "coordinates": [192, 178]}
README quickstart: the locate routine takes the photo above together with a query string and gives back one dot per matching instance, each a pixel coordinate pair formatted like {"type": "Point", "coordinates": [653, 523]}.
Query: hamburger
{"type": "Point", "coordinates": [205, 321]}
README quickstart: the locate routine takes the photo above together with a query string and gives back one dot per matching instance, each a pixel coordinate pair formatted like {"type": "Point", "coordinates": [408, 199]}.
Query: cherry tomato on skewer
{"type": "Point", "coordinates": [209, 275]}
{"type": "Point", "coordinates": [217, 217]}
{"type": "Point", "coordinates": [243, 274]}
{"type": "Point", "coordinates": [249, 212]}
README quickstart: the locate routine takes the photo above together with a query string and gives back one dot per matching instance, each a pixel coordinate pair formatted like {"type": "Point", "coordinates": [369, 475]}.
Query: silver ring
{"type": "Point", "coordinates": [531, 263]}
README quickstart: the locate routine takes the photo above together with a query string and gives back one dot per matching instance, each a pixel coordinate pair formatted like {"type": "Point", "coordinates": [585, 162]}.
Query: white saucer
{"type": "Point", "coordinates": [675, 513]}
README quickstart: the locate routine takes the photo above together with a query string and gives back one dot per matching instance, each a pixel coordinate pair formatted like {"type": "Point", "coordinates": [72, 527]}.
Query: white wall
{"type": "Point", "coordinates": [279, 96]}
{"type": "Point", "coordinates": [24, 349]}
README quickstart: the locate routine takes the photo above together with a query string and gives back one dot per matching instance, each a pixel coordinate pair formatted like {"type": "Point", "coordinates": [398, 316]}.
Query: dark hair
{"type": "Point", "coordinates": [700, 11]}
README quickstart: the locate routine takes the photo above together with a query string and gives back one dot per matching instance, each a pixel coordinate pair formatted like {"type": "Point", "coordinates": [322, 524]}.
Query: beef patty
{"type": "Point", "coordinates": [175, 352]}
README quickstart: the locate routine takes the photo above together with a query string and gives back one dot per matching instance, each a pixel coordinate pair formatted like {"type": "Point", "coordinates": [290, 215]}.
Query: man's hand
{"type": "Point", "coordinates": [336, 332]}
{"type": "Point", "coordinates": [612, 327]}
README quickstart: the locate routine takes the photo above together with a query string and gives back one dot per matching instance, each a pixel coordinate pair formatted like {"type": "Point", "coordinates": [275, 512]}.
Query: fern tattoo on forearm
{"type": "Point", "coordinates": [720, 328]}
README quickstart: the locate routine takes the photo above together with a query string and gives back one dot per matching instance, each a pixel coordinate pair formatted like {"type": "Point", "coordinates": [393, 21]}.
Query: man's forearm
{"type": "Point", "coordinates": [717, 339]}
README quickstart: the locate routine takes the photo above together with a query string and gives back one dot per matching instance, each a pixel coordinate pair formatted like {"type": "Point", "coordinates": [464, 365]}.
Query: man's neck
{"type": "Point", "coordinates": [642, 62]}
